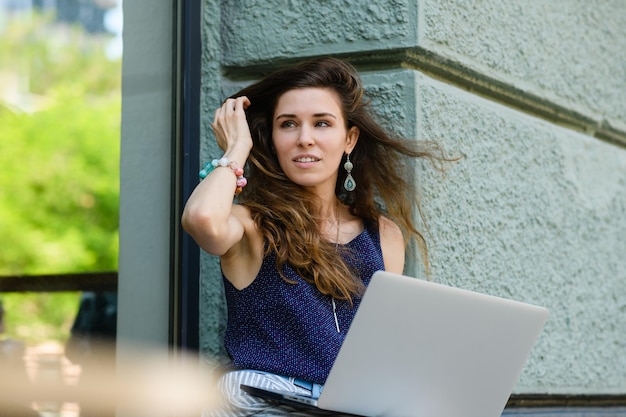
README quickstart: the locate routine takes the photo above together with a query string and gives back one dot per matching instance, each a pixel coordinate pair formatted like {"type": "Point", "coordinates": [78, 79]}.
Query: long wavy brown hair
{"type": "Point", "coordinates": [285, 213]}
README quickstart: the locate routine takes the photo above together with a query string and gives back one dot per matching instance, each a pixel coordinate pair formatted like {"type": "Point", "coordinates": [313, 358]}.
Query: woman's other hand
{"type": "Point", "coordinates": [230, 125]}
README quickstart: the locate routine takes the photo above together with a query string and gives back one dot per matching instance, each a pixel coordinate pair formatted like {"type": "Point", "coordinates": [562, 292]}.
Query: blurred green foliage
{"type": "Point", "coordinates": [35, 318]}
{"type": "Point", "coordinates": [60, 113]}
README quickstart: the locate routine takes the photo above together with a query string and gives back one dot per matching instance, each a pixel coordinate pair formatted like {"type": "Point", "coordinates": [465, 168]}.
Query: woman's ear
{"type": "Point", "coordinates": [352, 139]}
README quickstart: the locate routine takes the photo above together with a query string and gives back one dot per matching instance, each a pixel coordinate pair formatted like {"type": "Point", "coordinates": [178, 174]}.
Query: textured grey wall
{"type": "Point", "coordinates": [532, 212]}
{"type": "Point", "coordinates": [212, 306]}
{"type": "Point", "coordinates": [530, 94]}
{"type": "Point", "coordinates": [568, 52]}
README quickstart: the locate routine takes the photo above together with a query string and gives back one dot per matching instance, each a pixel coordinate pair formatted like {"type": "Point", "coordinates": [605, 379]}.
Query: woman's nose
{"type": "Point", "coordinates": [305, 136]}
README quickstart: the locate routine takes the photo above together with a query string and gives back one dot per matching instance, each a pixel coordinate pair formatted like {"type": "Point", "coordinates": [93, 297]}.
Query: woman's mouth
{"type": "Point", "coordinates": [306, 159]}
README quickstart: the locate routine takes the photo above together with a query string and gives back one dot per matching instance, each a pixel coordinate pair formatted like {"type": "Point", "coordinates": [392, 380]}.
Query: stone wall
{"type": "Point", "coordinates": [531, 96]}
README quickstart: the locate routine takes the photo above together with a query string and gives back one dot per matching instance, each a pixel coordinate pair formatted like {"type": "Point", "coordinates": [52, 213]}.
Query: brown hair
{"type": "Point", "coordinates": [285, 212]}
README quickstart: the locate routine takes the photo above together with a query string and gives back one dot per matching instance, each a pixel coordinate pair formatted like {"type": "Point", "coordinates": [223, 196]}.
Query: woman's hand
{"type": "Point", "coordinates": [210, 216]}
{"type": "Point", "coordinates": [230, 125]}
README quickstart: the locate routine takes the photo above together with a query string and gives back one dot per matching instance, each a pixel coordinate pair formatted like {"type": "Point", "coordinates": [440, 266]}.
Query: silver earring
{"type": "Point", "coordinates": [349, 184]}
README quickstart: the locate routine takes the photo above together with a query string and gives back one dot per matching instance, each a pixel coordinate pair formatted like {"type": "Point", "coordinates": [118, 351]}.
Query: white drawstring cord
{"type": "Point", "coordinates": [335, 314]}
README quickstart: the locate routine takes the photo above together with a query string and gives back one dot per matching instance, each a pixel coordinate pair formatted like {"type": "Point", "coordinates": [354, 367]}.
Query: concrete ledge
{"type": "Point", "coordinates": [569, 52]}
{"type": "Point", "coordinates": [566, 412]}
{"type": "Point", "coordinates": [307, 28]}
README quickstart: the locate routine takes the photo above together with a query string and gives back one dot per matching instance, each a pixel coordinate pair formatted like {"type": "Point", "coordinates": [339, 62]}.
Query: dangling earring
{"type": "Point", "coordinates": [349, 184]}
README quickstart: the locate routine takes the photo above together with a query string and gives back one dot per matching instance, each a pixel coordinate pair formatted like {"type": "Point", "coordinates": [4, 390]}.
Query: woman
{"type": "Point", "coordinates": [326, 200]}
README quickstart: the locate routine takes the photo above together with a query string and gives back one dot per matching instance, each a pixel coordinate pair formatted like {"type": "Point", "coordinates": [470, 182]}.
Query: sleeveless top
{"type": "Point", "coordinates": [289, 329]}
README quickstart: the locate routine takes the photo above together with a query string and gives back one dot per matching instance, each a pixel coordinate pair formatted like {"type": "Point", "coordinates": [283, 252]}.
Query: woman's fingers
{"type": "Point", "coordinates": [242, 102]}
{"type": "Point", "coordinates": [229, 122]}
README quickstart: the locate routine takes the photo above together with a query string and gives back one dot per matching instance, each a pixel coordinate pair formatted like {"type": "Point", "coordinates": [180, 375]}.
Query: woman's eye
{"type": "Point", "coordinates": [322, 123]}
{"type": "Point", "coordinates": [287, 124]}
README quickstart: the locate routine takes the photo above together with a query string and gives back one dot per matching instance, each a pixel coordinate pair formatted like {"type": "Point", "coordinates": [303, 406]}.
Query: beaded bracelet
{"type": "Point", "coordinates": [224, 162]}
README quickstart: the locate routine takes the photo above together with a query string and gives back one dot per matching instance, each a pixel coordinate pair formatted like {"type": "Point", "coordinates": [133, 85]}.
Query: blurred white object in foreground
{"type": "Point", "coordinates": [145, 382]}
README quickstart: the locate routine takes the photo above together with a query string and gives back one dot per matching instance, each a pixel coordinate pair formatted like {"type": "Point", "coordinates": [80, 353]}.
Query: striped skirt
{"type": "Point", "coordinates": [237, 403]}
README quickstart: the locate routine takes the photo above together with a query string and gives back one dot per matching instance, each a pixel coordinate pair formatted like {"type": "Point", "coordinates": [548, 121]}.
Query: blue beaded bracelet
{"type": "Point", "coordinates": [224, 162]}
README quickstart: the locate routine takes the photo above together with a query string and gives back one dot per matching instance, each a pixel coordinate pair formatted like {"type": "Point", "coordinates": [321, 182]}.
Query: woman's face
{"type": "Point", "coordinates": [310, 136]}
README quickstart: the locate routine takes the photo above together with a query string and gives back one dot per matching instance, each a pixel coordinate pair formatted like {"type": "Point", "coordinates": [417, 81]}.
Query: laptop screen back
{"type": "Point", "coordinates": [417, 348]}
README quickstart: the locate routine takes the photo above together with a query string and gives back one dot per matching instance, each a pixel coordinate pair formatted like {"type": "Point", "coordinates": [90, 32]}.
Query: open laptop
{"type": "Point", "coordinates": [418, 348]}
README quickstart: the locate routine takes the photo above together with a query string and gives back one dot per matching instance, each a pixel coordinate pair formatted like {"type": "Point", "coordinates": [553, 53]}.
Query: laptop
{"type": "Point", "coordinates": [418, 348]}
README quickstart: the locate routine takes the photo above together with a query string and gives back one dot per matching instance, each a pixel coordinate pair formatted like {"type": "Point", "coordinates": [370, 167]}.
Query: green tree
{"type": "Point", "coordinates": [60, 141]}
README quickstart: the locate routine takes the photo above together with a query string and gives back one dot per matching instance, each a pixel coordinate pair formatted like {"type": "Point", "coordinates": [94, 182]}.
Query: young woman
{"type": "Point", "coordinates": [326, 199]}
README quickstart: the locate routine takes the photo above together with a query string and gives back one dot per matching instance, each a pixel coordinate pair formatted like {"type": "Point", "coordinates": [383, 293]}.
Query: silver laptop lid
{"type": "Point", "coordinates": [417, 348]}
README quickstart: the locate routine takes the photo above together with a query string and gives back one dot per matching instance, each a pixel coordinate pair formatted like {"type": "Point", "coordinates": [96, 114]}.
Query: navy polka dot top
{"type": "Point", "coordinates": [289, 329]}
